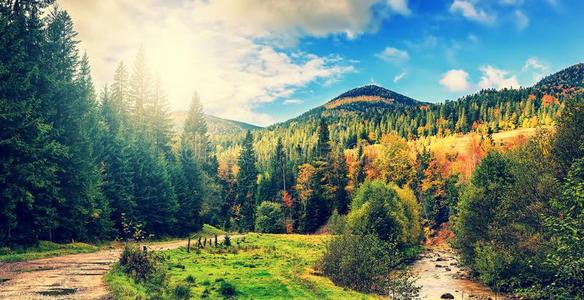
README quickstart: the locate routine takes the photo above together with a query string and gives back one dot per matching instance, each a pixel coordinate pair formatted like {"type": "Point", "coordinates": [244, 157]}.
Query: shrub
{"type": "Point", "coordinates": [336, 223]}
{"type": "Point", "coordinates": [182, 291]}
{"type": "Point", "coordinates": [142, 265]}
{"type": "Point", "coordinates": [270, 218]}
{"type": "Point", "coordinates": [190, 279]}
{"type": "Point", "coordinates": [227, 289]}
{"type": "Point", "coordinates": [227, 241]}
{"type": "Point", "coordinates": [377, 210]}
{"type": "Point", "coordinates": [359, 262]}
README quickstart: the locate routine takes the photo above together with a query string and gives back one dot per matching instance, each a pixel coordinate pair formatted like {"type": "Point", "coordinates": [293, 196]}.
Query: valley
{"type": "Point", "coordinates": [407, 161]}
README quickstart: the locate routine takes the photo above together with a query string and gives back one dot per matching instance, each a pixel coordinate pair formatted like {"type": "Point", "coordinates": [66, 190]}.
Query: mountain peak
{"type": "Point", "coordinates": [370, 94]}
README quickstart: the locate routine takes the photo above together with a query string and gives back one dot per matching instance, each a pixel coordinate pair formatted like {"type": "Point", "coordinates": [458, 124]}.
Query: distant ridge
{"type": "Point", "coordinates": [215, 125]}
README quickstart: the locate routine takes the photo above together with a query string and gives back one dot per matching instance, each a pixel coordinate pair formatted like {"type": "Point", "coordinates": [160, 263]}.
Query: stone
{"type": "Point", "coordinates": [447, 296]}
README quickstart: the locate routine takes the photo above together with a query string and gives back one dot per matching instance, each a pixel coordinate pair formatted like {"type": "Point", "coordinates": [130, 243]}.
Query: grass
{"type": "Point", "coordinates": [255, 267]}
{"type": "Point", "coordinates": [45, 249]}
{"type": "Point", "coordinates": [209, 230]}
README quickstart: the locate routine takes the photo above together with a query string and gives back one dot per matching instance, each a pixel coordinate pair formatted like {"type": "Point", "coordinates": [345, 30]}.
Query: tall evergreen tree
{"type": "Point", "coordinates": [73, 118]}
{"type": "Point", "coordinates": [28, 188]}
{"type": "Point", "coordinates": [196, 130]}
{"type": "Point", "coordinates": [159, 120]}
{"type": "Point", "coordinates": [247, 184]}
{"type": "Point", "coordinates": [339, 182]}
{"type": "Point", "coordinates": [116, 169]}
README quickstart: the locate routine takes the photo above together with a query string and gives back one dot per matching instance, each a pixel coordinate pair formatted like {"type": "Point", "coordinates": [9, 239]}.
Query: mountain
{"type": "Point", "coordinates": [365, 101]}
{"type": "Point", "coordinates": [370, 94]}
{"type": "Point", "coordinates": [215, 125]}
{"type": "Point", "coordinates": [567, 81]}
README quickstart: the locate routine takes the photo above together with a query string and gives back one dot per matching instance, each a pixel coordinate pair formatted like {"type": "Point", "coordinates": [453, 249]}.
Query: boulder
{"type": "Point", "coordinates": [447, 296]}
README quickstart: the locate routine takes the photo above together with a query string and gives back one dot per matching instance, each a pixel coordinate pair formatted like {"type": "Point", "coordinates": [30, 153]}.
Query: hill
{"type": "Point", "coordinates": [215, 125]}
{"type": "Point", "coordinates": [370, 94]}
{"type": "Point", "coordinates": [567, 81]}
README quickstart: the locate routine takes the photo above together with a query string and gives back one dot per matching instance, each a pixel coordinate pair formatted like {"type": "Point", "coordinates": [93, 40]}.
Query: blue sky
{"type": "Point", "coordinates": [264, 62]}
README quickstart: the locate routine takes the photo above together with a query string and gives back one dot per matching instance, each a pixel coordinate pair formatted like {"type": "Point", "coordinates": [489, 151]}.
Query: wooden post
{"type": "Point", "coordinates": [215, 240]}
{"type": "Point", "coordinates": [189, 244]}
{"type": "Point", "coordinates": [199, 243]}
{"type": "Point", "coordinates": [205, 243]}
{"type": "Point", "coordinates": [145, 249]}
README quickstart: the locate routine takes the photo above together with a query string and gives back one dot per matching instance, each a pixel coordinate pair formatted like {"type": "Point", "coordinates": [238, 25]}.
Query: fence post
{"type": "Point", "coordinates": [189, 244]}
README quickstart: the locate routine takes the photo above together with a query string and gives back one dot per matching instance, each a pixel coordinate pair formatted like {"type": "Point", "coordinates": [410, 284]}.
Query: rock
{"type": "Point", "coordinates": [448, 269]}
{"type": "Point", "coordinates": [440, 259]}
{"type": "Point", "coordinates": [447, 296]}
{"type": "Point", "coordinates": [438, 266]}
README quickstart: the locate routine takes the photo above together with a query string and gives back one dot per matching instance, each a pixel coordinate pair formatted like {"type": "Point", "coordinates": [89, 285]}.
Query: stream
{"type": "Point", "coordinates": [439, 273]}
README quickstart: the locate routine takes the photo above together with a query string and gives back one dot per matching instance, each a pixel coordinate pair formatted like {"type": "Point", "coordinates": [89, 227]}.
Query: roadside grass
{"type": "Point", "coordinates": [46, 249]}
{"type": "Point", "coordinates": [256, 266]}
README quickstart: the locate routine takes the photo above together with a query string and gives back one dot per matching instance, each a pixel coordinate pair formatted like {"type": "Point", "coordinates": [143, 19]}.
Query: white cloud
{"type": "Point", "coordinates": [295, 17]}
{"type": "Point", "coordinates": [455, 80]}
{"type": "Point", "coordinates": [538, 69]}
{"type": "Point", "coordinates": [511, 2]}
{"type": "Point", "coordinates": [399, 76]}
{"type": "Point", "coordinates": [521, 20]}
{"type": "Point", "coordinates": [497, 78]}
{"type": "Point", "coordinates": [224, 50]}
{"type": "Point", "coordinates": [399, 6]}
{"type": "Point", "coordinates": [293, 101]}
{"type": "Point", "coordinates": [469, 11]}
{"type": "Point", "coordinates": [533, 63]}
{"type": "Point", "coordinates": [391, 54]}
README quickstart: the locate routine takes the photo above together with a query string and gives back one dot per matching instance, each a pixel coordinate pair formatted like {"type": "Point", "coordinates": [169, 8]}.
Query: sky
{"type": "Point", "coordinates": [262, 61]}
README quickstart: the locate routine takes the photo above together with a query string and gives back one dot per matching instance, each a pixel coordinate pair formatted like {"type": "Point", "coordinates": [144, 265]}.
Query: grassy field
{"type": "Point", "coordinates": [254, 267]}
{"type": "Point", "coordinates": [45, 249]}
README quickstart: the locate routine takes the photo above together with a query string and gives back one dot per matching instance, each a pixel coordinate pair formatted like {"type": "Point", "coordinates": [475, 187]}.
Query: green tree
{"type": "Point", "coordinates": [247, 184]}
{"type": "Point", "coordinates": [376, 209]}
{"type": "Point", "coordinates": [269, 218]}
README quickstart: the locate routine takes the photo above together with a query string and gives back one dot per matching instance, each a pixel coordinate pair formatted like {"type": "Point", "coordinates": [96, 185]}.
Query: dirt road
{"type": "Point", "coordinates": [77, 276]}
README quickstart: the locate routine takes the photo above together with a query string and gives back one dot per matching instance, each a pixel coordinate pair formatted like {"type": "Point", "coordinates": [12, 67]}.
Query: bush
{"type": "Point", "coordinates": [227, 289]}
{"type": "Point", "coordinates": [142, 265]}
{"type": "Point", "coordinates": [336, 223]}
{"type": "Point", "coordinates": [377, 210]}
{"type": "Point", "coordinates": [361, 263]}
{"type": "Point", "coordinates": [269, 218]}
{"type": "Point", "coordinates": [182, 291]}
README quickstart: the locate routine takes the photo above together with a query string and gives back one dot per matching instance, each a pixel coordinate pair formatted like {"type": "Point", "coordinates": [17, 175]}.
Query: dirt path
{"type": "Point", "coordinates": [439, 273]}
{"type": "Point", "coordinates": [77, 276]}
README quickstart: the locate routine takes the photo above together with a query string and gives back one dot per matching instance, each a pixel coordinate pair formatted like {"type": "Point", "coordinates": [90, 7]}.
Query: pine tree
{"type": "Point", "coordinates": [117, 173]}
{"type": "Point", "coordinates": [247, 184]}
{"type": "Point", "coordinates": [155, 196]}
{"type": "Point", "coordinates": [339, 182]}
{"type": "Point", "coordinates": [140, 93]}
{"type": "Point", "coordinates": [83, 213]}
{"type": "Point", "coordinates": [159, 121]}
{"type": "Point", "coordinates": [196, 131]}
{"type": "Point", "coordinates": [28, 188]}
{"type": "Point", "coordinates": [189, 189]}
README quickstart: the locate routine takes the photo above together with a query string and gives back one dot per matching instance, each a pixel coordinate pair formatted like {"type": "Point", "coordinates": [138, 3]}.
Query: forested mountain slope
{"type": "Point", "coordinates": [365, 114]}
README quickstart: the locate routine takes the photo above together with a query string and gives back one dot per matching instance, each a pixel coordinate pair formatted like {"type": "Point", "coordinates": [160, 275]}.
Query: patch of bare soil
{"type": "Point", "coordinates": [77, 276]}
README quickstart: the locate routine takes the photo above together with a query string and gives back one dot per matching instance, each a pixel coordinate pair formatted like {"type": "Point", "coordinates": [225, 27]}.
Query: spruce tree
{"type": "Point", "coordinates": [247, 184]}
{"type": "Point", "coordinates": [29, 188]}
{"type": "Point", "coordinates": [83, 213]}
{"type": "Point", "coordinates": [196, 131]}
{"type": "Point", "coordinates": [117, 173]}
